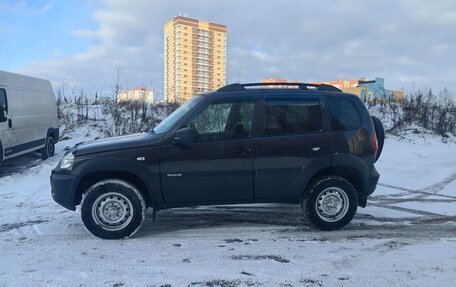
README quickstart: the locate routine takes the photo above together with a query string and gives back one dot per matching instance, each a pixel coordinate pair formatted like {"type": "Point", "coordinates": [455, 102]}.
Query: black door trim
{"type": "Point", "coordinates": [22, 147]}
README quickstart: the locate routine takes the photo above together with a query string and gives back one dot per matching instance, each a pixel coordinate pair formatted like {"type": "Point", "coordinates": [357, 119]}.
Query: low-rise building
{"type": "Point", "coordinates": [138, 94]}
{"type": "Point", "coordinates": [364, 88]}
{"type": "Point", "coordinates": [367, 89]}
{"type": "Point", "coordinates": [278, 81]}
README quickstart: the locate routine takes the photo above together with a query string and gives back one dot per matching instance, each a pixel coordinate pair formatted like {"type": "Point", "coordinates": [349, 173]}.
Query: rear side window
{"type": "Point", "coordinates": [3, 102]}
{"type": "Point", "coordinates": [291, 117]}
{"type": "Point", "coordinates": [344, 114]}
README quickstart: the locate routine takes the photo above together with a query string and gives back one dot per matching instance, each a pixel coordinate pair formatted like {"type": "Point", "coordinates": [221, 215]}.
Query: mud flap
{"type": "Point", "coordinates": [362, 201]}
{"type": "Point", "coordinates": [154, 213]}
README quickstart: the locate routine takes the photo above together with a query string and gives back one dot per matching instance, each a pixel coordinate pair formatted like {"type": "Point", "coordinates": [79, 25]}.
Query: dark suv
{"type": "Point", "coordinates": [277, 143]}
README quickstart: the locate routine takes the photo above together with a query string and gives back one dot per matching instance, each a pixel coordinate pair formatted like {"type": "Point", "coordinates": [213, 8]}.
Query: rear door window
{"type": "Point", "coordinates": [296, 117]}
{"type": "Point", "coordinates": [344, 114]}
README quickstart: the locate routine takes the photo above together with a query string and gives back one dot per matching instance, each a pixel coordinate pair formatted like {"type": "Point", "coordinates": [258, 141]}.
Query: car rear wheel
{"type": "Point", "coordinates": [49, 149]}
{"type": "Point", "coordinates": [113, 209]}
{"type": "Point", "coordinates": [331, 203]}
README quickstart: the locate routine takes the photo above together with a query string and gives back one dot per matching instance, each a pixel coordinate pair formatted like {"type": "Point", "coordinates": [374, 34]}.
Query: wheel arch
{"type": "Point", "coordinates": [347, 166]}
{"type": "Point", "coordinates": [347, 172]}
{"type": "Point", "coordinates": [93, 177]}
{"type": "Point", "coordinates": [100, 168]}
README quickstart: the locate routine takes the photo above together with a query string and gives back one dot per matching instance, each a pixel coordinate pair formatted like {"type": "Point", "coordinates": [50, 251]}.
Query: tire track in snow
{"type": "Point", "coordinates": [386, 201]}
{"type": "Point", "coordinates": [409, 210]}
{"type": "Point", "coordinates": [424, 192]}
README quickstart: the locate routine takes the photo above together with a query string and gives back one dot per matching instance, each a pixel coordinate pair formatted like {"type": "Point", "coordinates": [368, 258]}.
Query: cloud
{"type": "Point", "coordinates": [407, 42]}
{"type": "Point", "coordinates": [22, 7]}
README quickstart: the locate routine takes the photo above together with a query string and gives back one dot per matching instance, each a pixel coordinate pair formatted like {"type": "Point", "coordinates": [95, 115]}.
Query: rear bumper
{"type": "Point", "coordinates": [62, 188]}
{"type": "Point", "coordinates": [373, 180]}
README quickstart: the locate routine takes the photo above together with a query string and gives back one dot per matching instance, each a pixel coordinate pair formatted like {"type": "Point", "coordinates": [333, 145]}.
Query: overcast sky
{"type": "Point", "coordinates": [409, 43]}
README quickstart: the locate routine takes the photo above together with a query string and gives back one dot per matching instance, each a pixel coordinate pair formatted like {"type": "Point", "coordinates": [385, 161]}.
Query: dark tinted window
{"type": "Point", "coordinates": [3, 100]}
{"type": "Point", "coordinates": [344, 114]}
{"type": "Point", "coordinates": [292, 117]}
{"type": "Point", "coordinates": [224, 121]}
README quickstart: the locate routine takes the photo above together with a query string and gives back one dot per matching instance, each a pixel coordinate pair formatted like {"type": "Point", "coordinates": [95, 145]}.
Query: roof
{"type": "Point", "coordinates": [280, 86]}
{"type": "Point", "coordinates": [18, 81]}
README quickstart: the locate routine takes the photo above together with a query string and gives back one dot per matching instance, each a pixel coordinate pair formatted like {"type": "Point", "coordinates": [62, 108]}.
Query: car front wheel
{"type": "Point", "coordinates": [331, 203]}
{"type": "Point", "coordinates": [113, 209]}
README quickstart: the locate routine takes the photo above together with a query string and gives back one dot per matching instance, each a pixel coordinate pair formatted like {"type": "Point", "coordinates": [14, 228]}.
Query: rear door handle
{"type": "Point", "coordinates": [315, 148]}
{"type": "Point", "coordinates": [10, 123]}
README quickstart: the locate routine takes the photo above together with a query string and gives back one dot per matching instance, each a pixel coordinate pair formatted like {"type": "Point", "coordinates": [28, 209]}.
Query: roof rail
{"type": "Point", "coordinates": [301, 86]}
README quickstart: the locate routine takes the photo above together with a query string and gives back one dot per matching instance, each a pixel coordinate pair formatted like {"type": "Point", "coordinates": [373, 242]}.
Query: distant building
{"type": "Point", "coordinates": [195, 57]}
{"type": "Point", "coordinates": [138, 94]}
{"type": "Point", "coordinates": [278, 80]}
{"type": "Point", "coordinates": [363, 88]}
{"type": "Point", "coordinates": [367, 89]}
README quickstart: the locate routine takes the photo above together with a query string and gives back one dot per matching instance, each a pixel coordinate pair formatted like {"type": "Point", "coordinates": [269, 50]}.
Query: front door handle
{"type": "Point", "coordinates": [10, 123]}
{"type": "Point", "coordinates": [315, 148]}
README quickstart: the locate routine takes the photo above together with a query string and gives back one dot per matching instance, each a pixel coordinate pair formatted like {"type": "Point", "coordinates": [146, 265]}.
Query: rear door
{"type": "Point", "coordinates": [6, 132]}
{"type": "Point", "coordinates": [293, 137]}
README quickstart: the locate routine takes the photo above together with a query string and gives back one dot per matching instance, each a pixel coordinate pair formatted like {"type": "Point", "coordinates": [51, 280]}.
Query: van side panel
{"type": "Point", "coordinates": [26, 114]}
{"type": "Point", "coordinates": [32, 110]}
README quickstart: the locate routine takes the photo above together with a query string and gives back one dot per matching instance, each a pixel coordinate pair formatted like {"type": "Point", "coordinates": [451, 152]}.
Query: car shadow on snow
{"type": "Point", "coordinates": [20, 164]}
{"type": "Point", "coordinates": [220, 216]}
{"type": "Point", "coordinates": [288, 221]}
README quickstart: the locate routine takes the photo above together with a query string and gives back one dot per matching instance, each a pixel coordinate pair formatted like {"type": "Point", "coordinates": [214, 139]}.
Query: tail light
{"type": "Point", "coordinates": [375, 146]}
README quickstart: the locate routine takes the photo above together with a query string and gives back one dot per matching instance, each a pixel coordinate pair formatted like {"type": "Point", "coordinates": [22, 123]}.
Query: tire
{"type": "Point", "coordinates": [49, 149]}
{"type": "Point", "coordinates": [380, 132]}
{"type": "Point", "coordinates": [330, 190]}
{"type": "Point", "coordinates": [1, 155]}
{"type": "Point", "coordinates": [113, 209]}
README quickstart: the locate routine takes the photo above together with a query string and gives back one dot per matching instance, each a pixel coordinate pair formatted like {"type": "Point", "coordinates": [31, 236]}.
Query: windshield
{"type": "Point", "coordinates": [168, 123]}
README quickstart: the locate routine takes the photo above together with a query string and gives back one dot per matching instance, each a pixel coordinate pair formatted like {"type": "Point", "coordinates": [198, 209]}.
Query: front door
{"type": "Point", "coordinates": [218, 165]}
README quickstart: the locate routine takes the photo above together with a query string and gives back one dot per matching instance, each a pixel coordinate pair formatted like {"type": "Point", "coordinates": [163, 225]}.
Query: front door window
{"type": "Point", "coordinates": [223, 121]}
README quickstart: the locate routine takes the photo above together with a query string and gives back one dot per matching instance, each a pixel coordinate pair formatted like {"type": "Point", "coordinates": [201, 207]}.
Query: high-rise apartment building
{"type": "Point", "coordinates": [195, 58]}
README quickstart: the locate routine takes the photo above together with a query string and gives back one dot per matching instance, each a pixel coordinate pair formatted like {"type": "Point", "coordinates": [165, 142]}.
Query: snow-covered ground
{"type": "Point", "coordinates": [405, 237]}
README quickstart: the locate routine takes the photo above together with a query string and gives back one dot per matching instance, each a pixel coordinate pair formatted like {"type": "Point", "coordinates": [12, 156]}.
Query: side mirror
{"type": "Point", "coordinates": [3, 117]}
{"type": "Point", "coordinates": [184, 136]}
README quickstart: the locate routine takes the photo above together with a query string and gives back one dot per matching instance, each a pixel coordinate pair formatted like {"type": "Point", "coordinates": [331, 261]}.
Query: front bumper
{"type": "Point", "coordinates": [63, 188]}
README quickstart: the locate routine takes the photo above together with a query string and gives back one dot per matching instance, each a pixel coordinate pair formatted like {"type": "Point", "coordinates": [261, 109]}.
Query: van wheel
{"type": "Point", "coordinates": [49, 149]}
{"type": "Point", "coordinates": [113, 209]}
{"type": "Point", "coordinates": [331, 203]}
{"type": "Point", "coordinates": [1, 155]}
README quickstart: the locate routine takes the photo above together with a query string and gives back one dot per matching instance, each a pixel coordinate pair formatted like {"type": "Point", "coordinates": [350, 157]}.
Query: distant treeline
{"type": "Point", "coordinates": [425, 109]}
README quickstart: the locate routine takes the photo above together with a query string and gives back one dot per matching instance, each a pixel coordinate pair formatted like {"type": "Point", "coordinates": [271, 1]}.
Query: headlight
{"type": "Point", "coordinates": [67, 161]}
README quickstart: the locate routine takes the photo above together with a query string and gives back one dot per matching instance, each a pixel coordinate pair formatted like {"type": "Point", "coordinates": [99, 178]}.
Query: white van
{"type": "Point", "coordinates": [28, 116]}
